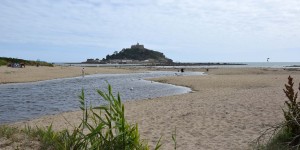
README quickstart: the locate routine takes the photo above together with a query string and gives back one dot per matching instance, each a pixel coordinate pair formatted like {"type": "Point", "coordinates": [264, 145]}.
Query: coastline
{"type": "Point", "coordinates": [228, 109]}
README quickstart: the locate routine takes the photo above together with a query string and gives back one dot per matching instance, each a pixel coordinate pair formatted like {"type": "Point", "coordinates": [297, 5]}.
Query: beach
{"type": "Point", "coordinates": [228, 108]}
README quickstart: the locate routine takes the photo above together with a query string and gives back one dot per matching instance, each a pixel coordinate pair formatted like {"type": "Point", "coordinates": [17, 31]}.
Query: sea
{"type": "Point", "coordinates": [232, 65]}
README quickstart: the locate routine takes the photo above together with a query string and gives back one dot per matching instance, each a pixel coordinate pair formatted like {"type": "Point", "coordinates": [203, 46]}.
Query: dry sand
{"type": "Point", "coordinates": [228, 109]}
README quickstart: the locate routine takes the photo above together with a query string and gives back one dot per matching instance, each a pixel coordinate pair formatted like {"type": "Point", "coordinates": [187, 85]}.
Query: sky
{"type": "Point", "coordinates": [184, 30]}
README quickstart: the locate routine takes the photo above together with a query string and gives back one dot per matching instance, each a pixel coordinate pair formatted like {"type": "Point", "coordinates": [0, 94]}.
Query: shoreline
{"type": "Point", "coordinates": [226, 105]}
{"type": "Point", "coordinates": [42, 73]}
{"type": "Point", "coordinates": [10, 75]}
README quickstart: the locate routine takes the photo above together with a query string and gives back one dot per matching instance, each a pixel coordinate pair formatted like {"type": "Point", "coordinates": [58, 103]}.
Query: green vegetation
{"type": "Point", "coordinates": [6, 131]}
{"type": "Point", "coordinates": [103, 127]}
{"type": "Point", "coordinates": [5, 61]}
{"type": "Point", "coordinates": [285, 135]}
{"type": "Point", "coordinates": [174, 139]}
{"type": "Point", "coordinates": [278, 141]}
{"type": "Point", "coordinates": [2, 62]}
{"type": "Point", "coordinates": [138, 54]}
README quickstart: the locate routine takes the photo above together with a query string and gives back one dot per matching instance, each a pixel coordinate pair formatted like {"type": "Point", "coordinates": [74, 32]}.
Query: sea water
{"type": "Point", "coordinates": [23, 101]}
{"type": "Point", "coordinates": [277, 65]}
{"type": "Point", "coordinates": [232, 65]}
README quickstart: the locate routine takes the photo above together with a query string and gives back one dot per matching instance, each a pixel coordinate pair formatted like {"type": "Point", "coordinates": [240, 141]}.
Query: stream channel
{"type": "Point", "coordinates": [24, 101]}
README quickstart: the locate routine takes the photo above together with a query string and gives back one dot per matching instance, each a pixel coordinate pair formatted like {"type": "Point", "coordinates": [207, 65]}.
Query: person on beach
{"type": "Point", "coordinates": [22, 65]}
{"type": "Point", "coordinates": [82, 72]}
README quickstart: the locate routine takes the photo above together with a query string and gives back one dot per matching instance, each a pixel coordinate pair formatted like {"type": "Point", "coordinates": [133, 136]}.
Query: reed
{"type": "Point", "coordinates": [106, 126]}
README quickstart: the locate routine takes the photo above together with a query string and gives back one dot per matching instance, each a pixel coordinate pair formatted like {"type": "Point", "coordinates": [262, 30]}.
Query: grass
{"type": "Point", "coordinates": [49, 139]}
{"type": "Point", "coordinates": [14, 138]}
{"type": "Point", "coordinates": [7, 131]}
{"type": "Point", "coordinates": [103, 127]}
{"type": "Point", "coordinates": [279, 141]}
{"type": "Point", "coordinates": [285, 135]}
{"type": "Point", "coordinates": [174, 134]}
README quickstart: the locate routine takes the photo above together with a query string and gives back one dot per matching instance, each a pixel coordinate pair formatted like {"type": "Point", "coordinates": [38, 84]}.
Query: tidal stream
{"type": "Point", "coordinates": [24, 101]}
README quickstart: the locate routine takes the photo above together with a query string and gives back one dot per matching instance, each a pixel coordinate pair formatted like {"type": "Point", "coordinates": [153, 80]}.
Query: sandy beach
{"type": "Point", "coordinates": [227, 109]}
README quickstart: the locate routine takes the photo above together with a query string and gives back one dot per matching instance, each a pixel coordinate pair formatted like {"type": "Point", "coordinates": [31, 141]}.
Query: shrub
{"type": "Point", "coordinates": [292, 113]}
{"type": "Point", "coordinates": [285, 135]}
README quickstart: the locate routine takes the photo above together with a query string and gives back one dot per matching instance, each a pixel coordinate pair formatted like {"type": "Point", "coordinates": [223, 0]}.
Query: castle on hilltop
{"type": "Point", "coordinates": [137, 54]}
{"type": "Point", "coordinates": [137, 46]}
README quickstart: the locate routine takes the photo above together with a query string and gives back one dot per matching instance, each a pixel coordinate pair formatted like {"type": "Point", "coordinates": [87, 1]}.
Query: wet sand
{"type": "Point", "coordinates": [32, 73]}
{"type": "Point", "coordinates": [227, 109]}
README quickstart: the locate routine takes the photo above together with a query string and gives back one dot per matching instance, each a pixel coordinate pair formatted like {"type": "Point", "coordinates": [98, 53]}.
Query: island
{"type": "Point", "coordinates": [139, 55]}
{"type": "Point", "coordinates": [136, 54]}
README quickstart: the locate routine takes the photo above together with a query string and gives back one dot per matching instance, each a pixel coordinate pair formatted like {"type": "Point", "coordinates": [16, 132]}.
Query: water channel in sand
{"type": "Point", "coordinates": [23, 101]}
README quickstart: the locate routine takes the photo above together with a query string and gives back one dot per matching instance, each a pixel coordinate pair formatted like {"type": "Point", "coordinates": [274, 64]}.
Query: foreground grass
{"type": "Point", "coordinates": [285, 135]}
{"type": "Point", "coordinates": [103, 127]}
{"type": "Point", "coordinates": [7, 131]}
{"type": "Point", "coordinates": [278, 141]}
{"type": "Point", "coordinates": [14, 138]}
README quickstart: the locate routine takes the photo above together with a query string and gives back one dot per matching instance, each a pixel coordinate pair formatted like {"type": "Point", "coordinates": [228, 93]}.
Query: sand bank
{"type": "Point", "coordinates": [228, 109]}
{"type": "Point", "coordinates": [32, 73]}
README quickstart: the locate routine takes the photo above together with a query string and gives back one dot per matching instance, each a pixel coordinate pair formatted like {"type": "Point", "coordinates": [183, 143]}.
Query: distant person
{"type": "Point", "coordinates": [182, 70]}
{"type": "Point", "coordinates": [22, 65]}
{"type": "Point", "coordinates": [82, 71]}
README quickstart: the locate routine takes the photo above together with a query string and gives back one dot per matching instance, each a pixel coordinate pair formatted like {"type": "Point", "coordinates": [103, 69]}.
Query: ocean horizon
{"type": "Point", "coordinates": [245, 65]}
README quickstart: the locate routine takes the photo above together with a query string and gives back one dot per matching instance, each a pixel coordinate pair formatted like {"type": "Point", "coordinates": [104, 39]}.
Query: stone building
{"type": "Point", "coordinates": [137, 46]}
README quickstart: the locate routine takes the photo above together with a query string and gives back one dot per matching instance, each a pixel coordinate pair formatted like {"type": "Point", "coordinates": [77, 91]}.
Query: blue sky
{"type": "Point", "coordinates": [184, 30]}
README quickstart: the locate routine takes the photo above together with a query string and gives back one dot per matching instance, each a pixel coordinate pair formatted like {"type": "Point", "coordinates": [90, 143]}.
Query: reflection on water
{"type": "Point", "coordinates": [22, 101]}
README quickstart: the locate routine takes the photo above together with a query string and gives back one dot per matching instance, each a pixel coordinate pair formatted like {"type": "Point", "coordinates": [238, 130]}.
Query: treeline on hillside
{"type": "Point", "coordinates": [137, 54]}
{"type": "Point", "coordinates": [6, 61]}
